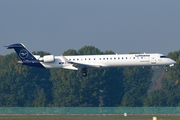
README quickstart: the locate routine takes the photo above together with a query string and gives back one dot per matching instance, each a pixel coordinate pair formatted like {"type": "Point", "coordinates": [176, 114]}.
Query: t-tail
{"type": "Point", "coordinates": [27, 58]}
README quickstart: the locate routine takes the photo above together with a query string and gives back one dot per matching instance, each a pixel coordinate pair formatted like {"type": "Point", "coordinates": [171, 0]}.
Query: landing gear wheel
{"type": "Point", "coordinates": [83, 71]}
{"type": "Point", "coordinates": [84, 74]}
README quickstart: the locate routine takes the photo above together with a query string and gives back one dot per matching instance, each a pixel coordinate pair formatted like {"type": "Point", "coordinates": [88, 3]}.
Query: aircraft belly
{"type": "Point", "coordinates": [126, 64]}
{"type": "Point", "coordinates": [52, 65]}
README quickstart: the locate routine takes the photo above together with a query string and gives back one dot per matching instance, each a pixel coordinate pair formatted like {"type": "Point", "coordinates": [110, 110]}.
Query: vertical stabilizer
{"type": "Point", "coordinates": [22, 51]}
{"type": "Point", "coordinates": [27, 58]}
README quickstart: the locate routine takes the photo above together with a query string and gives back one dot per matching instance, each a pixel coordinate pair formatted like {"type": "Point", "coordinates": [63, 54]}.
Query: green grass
{"type": "Point", "coordinates": [88, 116]}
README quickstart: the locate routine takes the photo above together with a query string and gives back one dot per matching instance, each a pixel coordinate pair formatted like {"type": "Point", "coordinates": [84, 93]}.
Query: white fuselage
{"type": "Point", "coordinates": [114, 60]}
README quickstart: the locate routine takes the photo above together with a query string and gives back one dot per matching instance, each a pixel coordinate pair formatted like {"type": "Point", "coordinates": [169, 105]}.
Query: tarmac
{"type": "Point", "coordinates": [88, 119]}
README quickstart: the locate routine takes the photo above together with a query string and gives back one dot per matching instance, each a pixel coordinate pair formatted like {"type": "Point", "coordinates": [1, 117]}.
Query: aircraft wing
{"type": "Point", "coordinates": [80, 65]}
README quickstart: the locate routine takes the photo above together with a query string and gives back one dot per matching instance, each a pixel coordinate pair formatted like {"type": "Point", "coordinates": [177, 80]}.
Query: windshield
{"type": "Point", "coordinates": [163, 57]}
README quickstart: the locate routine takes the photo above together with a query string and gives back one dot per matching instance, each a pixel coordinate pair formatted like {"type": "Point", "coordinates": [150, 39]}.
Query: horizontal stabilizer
{"type": "Point", "coordinates": [22, 51]}
{"type": "Point", "coordinates": [15, 46]}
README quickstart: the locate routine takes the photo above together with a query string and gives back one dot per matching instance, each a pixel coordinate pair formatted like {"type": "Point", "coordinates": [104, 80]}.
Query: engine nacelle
{"type": "Point", "coordinates": [48, 58]}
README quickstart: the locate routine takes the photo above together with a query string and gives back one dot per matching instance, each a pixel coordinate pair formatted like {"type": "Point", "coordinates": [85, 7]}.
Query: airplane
{"type": "Point", "coordinates": [89, 62]}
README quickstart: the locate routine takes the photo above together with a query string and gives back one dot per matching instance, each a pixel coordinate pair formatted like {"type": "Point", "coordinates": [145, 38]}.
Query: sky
{"type": "Point", "coordinates": [123, 26]}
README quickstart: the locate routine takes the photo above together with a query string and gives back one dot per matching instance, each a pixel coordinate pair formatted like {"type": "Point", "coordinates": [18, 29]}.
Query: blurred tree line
{"type": "Point", "coordinates": [24, 86]}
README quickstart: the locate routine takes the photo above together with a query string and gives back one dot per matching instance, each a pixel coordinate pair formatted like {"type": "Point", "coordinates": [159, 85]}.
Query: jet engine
{"type": "Point", "coordinates": [48, 58]}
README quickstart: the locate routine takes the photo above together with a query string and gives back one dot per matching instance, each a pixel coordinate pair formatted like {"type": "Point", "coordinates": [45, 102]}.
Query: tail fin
{"type": "Point", "coordinates": [22, 51]}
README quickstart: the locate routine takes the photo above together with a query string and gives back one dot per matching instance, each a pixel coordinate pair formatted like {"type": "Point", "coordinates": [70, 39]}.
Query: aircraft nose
{"type": "Point", "coordinates": [172, 61]}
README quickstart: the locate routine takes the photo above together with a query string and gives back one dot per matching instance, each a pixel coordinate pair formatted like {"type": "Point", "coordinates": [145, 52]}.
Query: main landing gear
{"type": "Point", "coordinates": [84, 74]}
{"type": "Point", "coordinates": [83, 71]}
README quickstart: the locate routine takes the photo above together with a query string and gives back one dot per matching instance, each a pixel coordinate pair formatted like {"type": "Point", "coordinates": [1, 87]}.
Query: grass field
{"type": "Point", "coordinates": [88, 117]}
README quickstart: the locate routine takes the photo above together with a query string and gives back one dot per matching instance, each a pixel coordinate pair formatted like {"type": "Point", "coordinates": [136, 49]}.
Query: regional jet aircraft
{"type": "Point", "coordinates": [89, 62]}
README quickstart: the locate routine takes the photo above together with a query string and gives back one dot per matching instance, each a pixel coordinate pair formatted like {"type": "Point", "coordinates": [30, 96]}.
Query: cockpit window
{"type": "Point", "coordinates": [163, 57]}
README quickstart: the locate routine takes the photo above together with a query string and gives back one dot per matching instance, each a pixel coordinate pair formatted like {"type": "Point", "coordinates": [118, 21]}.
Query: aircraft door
{"type": "Point", "coordinates": [153, 59]}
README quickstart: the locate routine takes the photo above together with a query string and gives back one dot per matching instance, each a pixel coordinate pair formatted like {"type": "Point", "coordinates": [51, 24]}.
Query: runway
{"type": "Point", "coordinates": [89, 119]}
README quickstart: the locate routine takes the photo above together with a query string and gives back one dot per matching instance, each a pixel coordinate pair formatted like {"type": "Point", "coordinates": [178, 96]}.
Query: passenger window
{"type": "Point", "coordinates": [114, 58]}
{"type": "Point", "coordinates": [70, 59]}
{"type": "Point", "coordinates": [73, 59]}
{"type": "Point", "coordinates": [103, 58]}
{"type": "Point", "coordinates": [85, 58]}
{"type": "Point", "coordinates": [89, 58]}
{"type": "Point", "coordinates": [107, 58]}
{"type": "Point", "coordinates": [126, 57]}
{"type": "Point", "coordinates": [141, 57]}
{"type": "Point", "coordinates": [118, 57]}
{"type": "Point", "coordinates": [99, 58]}
{"type": "Point", "coordinates": [122, 58]}
{"type": "Point", "coordinates": [111, 58]}
{"type": "Point", "coordinates": [77, 59]}
{"type": "Point", "coordinates": [133, 57]}
{"type": "Point", "coordinates": [94, 58]}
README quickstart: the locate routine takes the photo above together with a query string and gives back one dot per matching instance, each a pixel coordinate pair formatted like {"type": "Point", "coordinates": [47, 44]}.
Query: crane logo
{"type": "Point", "coordinates": [23, 54]}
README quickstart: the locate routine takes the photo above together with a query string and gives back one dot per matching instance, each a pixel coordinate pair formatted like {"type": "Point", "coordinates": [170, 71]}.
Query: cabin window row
{"type": "Point", "coordinates": [110, 58]}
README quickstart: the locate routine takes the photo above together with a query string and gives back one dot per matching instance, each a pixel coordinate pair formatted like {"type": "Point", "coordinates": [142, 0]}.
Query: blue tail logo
{"type": "Point", "coordinates": [23, 54]}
